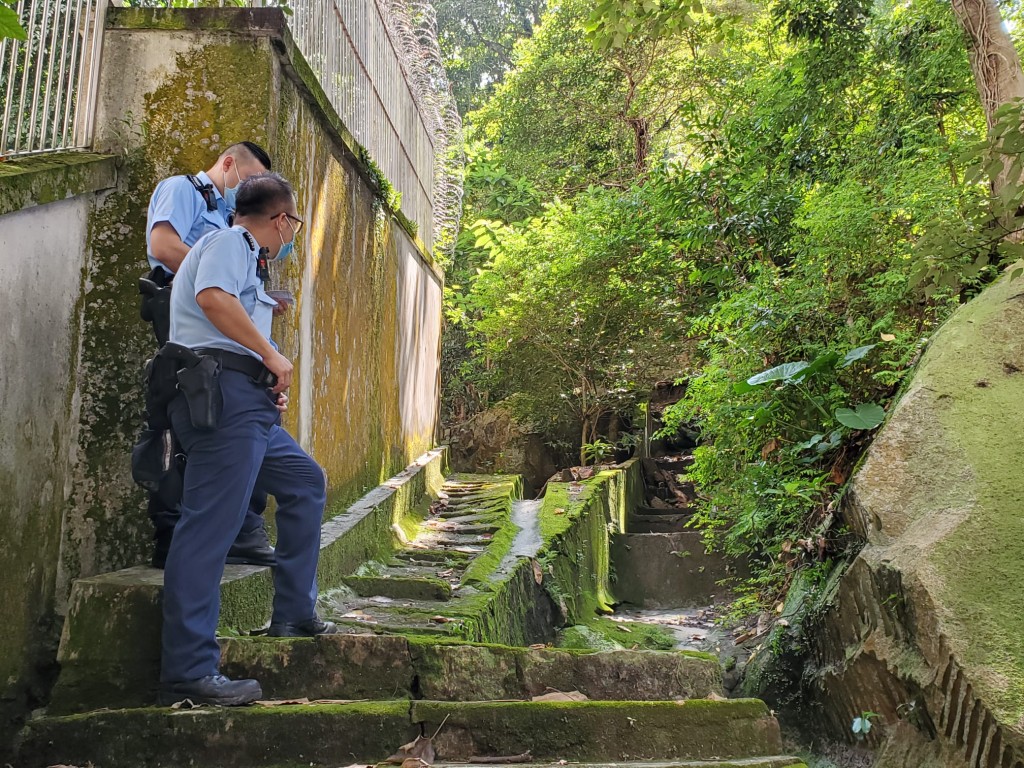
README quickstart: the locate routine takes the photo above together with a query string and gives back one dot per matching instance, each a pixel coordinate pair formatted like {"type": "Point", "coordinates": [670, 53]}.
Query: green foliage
{"type": "Point", "coordinates": [776, 205]}
{"type": "Point", "coordinates": [578, 308]}
{"type": "Point", "coordinates": [10, 23]}
{"type": "Point", "coordinates": [597, 451]}
{"type": "Point", "coordinates": [477, 39]}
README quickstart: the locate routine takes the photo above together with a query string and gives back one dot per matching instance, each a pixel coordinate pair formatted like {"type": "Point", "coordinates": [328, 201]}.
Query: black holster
{"type": "Point", "coordinates": [155, 307]}
{"type": "Point", "coordinates": [200, 383]}
{"type": "Point", "coordinates": [161, 381]}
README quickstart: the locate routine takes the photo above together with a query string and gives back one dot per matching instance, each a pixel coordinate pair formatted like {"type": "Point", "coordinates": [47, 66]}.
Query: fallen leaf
{"type": "Point", "coordinates": [420, 750]}
{"type": "Point", "coordinates": [888, 337]}
{"type": "Point", "coordinates": [538, 647]}
{"type": "Point", "coordinates": [538, 572]}
{"type": "Point", "coordinates": [769, 448]}
{"type": "Point", "coordinates": [559, 511]}
{"type": "Point", "coordinates": [716, 696]}
{"type": "Point", "coordinates": [440, 619]}
{"type": "Point", "coordinates": [562, 696]}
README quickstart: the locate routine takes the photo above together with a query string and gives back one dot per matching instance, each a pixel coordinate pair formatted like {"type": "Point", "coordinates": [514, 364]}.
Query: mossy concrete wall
{"type": "Point", "coordinates": [40, 287]}
{"type": "Point", "coordinates": [926, 625]}
{"type": "Point", "coordinates": [176, 88]}
{"type": "Point", "coordinates": [364, 333]}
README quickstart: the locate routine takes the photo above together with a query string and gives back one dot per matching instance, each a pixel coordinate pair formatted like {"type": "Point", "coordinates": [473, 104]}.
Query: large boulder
{"type": "Point", "coordinates": [926, 626]}
{"type": "Point", "coordinates": [499, 441]}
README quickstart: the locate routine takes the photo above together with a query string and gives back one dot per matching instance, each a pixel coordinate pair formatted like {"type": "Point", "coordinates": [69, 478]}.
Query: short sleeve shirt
{"type": "Point", "coordinates": [222, 259]}
{"type": "Point", "coordinates": [178, 203]}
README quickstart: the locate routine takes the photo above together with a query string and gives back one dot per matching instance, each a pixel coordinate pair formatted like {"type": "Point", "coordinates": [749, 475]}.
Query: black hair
{"type": "Point", "coordinates": [263, 194]}
{"type": "Point", "coordinates": [254, 152]}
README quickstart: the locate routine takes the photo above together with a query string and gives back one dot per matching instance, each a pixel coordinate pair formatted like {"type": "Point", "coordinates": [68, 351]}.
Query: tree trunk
{"type": "Point", "coordinates": [994, 61]}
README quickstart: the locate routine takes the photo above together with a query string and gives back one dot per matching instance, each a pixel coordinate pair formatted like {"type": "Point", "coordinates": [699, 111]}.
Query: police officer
{"type": "Point", "coordinates": [181, 210]}
{"type": "Point", "coordinates": [220, 310]}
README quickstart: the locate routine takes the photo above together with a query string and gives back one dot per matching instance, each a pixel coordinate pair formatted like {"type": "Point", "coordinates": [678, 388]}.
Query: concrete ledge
{"type": "Point", "coordinates": [41, 179]}
{"type": "Point", "coordinates": [366, 732]}
{"type": "Point", "coordinates": [110, 646]}
{"type": "Point", "coordinates": [390, 666]}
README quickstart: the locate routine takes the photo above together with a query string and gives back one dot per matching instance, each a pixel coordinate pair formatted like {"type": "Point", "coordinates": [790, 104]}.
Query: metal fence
{"type": "Point", "coordinates": [349, 46]}
{"type": "Point", "coordinates": [393, 101]}
{"type": "Point", "coordinates": [48, 81]}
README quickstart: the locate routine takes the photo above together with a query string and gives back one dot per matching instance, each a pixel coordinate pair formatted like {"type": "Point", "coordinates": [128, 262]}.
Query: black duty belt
{"type": "Point", "coordinates": [247, 364]}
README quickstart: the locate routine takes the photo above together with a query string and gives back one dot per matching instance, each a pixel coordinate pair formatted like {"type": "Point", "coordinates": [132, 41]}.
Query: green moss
{"type": "Point", "coordinates": [606, 634]}
{"type": "Point", "coordinates": [969, 370]}
{"type": "Point", "coordinates": [632, 730]}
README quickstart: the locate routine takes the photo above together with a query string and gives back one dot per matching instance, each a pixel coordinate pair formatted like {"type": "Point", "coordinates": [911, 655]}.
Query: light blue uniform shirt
{"type": "Point", "coordinates": [178, 203]}
{"type": "Point", "coordinates": [221, 259]}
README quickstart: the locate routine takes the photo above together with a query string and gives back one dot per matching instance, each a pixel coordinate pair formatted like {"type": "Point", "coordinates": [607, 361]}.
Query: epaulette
{"type": "Point", "coordinates": [205, 191]}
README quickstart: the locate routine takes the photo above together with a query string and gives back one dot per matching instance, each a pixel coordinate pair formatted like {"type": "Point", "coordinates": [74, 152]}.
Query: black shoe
{"type": "Point", "coordinates": [310, 628]}
{"type": "Point", "coordinates": [215, 689]}
{"type": "Point", "coordinates": [161, 546]}
{"type": "Point", "coordinates": [252, 548]}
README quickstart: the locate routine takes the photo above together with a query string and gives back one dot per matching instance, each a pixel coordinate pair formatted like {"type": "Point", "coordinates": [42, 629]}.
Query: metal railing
{"type": "Point", "coordinates": [348, 45]}
{"type": "Point", "coordinates": [367, 55]}
{"type": "Point", "coordinates": [48, 81]}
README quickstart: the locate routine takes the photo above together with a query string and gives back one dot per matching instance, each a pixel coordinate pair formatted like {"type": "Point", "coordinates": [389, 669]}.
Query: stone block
{"type": "Point", "coordinates": [623, 675]}
{"type": "Point", "coordinates": [467, 672]}
{"type": "Point", "coordinates": [400, 587]}
{"type": "Point", "coordinates": [240, 737]}
{"type": "Point", "coordinates": [668, 570]}
{"type": "Point", "coordinates": [612, 731]}
{"type": "Point", "coordinates": [326, 667]}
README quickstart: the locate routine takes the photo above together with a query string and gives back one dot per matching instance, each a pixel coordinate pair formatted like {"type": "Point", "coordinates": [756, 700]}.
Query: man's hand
{"type": "Point", "coordinates": [280, 366]}
{"type": "Point", "coordinates": [282, 402]}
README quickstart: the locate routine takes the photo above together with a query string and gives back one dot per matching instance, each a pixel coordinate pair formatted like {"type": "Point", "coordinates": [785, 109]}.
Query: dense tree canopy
{"type": "Point", "coordinates": [773, 203]}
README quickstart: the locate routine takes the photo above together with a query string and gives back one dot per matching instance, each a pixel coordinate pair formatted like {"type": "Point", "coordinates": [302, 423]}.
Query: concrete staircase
{"type": "Point", "coordinates": [660, 562]}
{"type": "Point", "coordinates": [478, 565]}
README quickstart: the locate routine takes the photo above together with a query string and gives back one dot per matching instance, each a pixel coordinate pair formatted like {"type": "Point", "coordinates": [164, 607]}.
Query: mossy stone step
{"type": "Point", "coordinates": [612, 731]}
{"type": "Point", "coordinates": [332, 734]}
{"type": "Point", "coordinates": [400, 587]}
{"type": "Point", "coordinates": [379, 667]}
{"type": "Point", "coordinates": [441, 556]}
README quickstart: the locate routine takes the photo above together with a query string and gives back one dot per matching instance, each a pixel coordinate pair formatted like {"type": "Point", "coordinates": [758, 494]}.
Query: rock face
{"type": "Point", "coordinates": [926, 626]}
{"type": "Point", "coordinates": [495, 441]}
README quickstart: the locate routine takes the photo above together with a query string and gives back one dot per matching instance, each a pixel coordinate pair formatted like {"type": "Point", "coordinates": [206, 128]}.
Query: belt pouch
{"type": "Point", "coordinates": [201, 387]}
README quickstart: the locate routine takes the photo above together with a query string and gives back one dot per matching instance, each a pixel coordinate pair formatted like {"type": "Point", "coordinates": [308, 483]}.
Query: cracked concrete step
{"type": "Point", "coordinates": [336, 733]}
{"type": "Point", "coordinates": [389, 667]}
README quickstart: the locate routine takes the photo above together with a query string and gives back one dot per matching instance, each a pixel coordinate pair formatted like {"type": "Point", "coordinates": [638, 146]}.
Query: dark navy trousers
{"type": "Point", "coordinates": [248, 451]}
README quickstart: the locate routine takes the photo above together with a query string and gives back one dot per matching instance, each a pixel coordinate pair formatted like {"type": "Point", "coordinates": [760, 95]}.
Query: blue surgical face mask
{"type": "Point", "coordinates": [230, 193]}
{"type": "Point", "coordinates": [286, 248]}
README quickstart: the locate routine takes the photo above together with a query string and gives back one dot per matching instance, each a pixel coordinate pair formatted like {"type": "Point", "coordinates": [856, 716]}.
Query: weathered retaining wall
{"type": "Point", "coordinates": [177, 87]}
{"type": "Point", "coordinates": [925, 627]}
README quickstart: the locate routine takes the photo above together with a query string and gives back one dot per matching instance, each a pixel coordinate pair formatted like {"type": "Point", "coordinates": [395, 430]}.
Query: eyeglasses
{"type": "Point", "coordinates": [298, 222]}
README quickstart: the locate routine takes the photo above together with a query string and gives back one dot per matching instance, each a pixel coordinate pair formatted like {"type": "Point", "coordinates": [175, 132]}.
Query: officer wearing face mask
{"type": "Point", "coordinates": [226, 415]}
{"type": "Point", "coordinates": [183, 209]}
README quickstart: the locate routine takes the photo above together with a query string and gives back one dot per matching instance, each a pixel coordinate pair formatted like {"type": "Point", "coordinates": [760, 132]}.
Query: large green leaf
{"type": "Point", "coordinates": [778, 373]}
{"type": "Point", "coordinates": [10, 25]}
{"type": "Point", "coordinates": [855, 354]}
{"type": "Point", "coordinates": [863, 416]}
{"type": "Point", "coordinates": [819, 364]}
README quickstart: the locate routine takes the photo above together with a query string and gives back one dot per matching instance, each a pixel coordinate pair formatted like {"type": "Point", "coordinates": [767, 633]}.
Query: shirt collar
{"type": "Point", "coordinates": [207, 180]}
